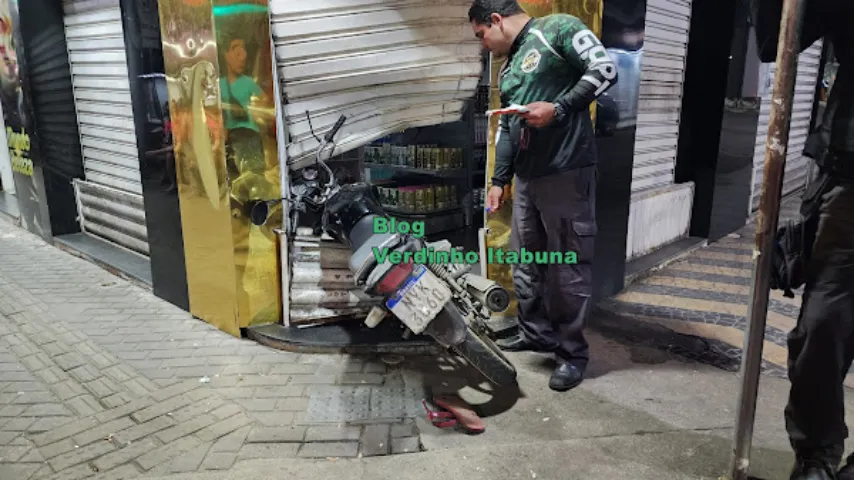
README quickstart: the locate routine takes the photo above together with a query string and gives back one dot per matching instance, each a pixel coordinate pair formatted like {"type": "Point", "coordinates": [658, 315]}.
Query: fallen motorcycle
{"type": "Point", "coordinates": [442, 300]}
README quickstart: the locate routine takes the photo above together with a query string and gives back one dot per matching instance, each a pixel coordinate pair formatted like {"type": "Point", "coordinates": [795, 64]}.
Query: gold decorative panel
{"type": "Point", "coordinates": [220, 78]}
{"type": "Point", "coordinates": [498, 223]}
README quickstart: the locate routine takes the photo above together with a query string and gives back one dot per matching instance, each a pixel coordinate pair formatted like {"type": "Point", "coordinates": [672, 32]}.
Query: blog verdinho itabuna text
{"type": "Point", "coordinates": [429, 255]}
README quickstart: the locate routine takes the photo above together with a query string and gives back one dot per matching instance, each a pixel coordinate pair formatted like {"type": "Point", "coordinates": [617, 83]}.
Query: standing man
{"type": "Point", "coordinates": [821, 346]}
{"type": "Point", "coordinates": [555, 67]}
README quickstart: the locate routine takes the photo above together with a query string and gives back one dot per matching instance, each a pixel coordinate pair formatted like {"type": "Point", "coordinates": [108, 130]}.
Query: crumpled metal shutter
{"type": "Point", "coordinates": [797, 165]}
{"type": "Point", "coordinates": [322, 287]}
{"type": "Point", "coordinates": [665, 50]}
{"type": "Point", "coordinates": [387, 65]}
{"type": "Point", "coordinates": [110, 196]}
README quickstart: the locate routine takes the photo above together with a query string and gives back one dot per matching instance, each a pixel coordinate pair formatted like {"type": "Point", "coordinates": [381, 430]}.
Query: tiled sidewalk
{"type": "Point", "coordinates": [99, 377]}
{"type": "Point", "coordinates": [706, 295]}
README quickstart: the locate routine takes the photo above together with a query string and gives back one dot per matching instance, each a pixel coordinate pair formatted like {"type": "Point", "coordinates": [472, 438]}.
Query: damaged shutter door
{"type": "Point", "coordinates": [387, 66]}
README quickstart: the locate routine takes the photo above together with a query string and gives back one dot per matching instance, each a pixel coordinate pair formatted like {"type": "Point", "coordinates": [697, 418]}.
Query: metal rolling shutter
{"type": "Point", "coordinates": [110, 197]}
{"type": "Point", "coordinates": [660, 100]}
{"type": "Point", "coordinates": [387, 65]}
{"type": "Point", "coordinates": [797, 165]}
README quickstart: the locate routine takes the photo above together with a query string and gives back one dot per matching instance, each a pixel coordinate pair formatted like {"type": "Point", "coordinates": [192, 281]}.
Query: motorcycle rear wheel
{"type": "Point", "coordinates": [484, 356]}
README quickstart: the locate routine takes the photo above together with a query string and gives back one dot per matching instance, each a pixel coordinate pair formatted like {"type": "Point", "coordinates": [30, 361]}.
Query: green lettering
{"type": "Point", "coordinates": [556, 258]}
{"type": "Point", "coordinates": [380, 255]}
{"type": "Point", "coordinates": [570, 258]}
{"type": "Point", "coordinates": [395, 257]}
{"type": "Point", "coordinates": [511, 257]}
{"type": "Point", "coordinates": [471, 258]}
{"type": "Point", "coordinates": [380, 225]}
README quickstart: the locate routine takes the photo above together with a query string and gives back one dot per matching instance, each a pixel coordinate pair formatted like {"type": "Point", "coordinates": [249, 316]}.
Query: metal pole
{"type": "Point", "coordinates": [766, 228]}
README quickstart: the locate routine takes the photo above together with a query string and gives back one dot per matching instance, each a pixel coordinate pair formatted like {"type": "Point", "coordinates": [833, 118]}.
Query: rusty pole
{"type": "Point", "coordinates": [766, 228]}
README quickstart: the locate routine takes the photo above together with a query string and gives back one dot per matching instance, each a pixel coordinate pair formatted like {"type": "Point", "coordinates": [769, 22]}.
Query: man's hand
{"type": "Point", "coordinates": [494, 198]}
{"type": "Point", "coordinates": [540, 114]}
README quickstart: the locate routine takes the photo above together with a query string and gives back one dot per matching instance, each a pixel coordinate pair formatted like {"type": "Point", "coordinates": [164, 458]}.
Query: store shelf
{"type": "Point", "coordinates": [435, 223]}
{"type": "Point", "coordinates": [444, 211]}
{"type": "Point", "coordinates": [458, 172]}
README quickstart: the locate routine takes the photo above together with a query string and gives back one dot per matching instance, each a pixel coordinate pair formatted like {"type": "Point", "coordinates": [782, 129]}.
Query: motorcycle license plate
{"type": "Point", "coordinates": [419, 300]}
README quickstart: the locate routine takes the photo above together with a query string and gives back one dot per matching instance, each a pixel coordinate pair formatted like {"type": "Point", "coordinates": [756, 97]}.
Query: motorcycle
{"type": "Point", "coordinates": [443, 300]}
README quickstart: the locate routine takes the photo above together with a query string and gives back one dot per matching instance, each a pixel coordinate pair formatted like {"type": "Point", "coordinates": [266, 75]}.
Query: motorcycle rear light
{"type": "Point", "coordinates": [394, 278]}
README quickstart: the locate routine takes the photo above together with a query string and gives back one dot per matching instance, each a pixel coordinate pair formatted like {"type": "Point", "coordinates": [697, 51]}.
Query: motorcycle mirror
{"type": "Point", "coordinates": [259, 213]}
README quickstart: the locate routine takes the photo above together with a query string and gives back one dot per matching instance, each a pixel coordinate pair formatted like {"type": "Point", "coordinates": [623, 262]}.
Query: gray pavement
{"type": "Point", "coordinates": [100, 379]}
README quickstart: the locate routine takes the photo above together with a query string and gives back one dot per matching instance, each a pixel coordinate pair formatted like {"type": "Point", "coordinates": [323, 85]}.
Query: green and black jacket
{"type": "Point", "coordinates": [555, 58]}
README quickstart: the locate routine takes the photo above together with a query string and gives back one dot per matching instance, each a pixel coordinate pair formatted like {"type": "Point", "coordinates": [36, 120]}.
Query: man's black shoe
{"type": "Point", "coordinates": [518, 343]}
{"type": "Point", "coordinates": [813, 470]}
{"type": "Point", "coordinates": [565, 377]}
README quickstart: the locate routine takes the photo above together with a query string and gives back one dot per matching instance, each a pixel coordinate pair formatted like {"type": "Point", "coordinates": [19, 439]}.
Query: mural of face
{"type": "Point", "coordinates": [8, 56]}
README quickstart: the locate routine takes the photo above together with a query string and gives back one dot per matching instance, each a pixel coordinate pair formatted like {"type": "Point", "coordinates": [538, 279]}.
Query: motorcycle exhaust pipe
{"type": "Point", "coordinates": [488, 292]}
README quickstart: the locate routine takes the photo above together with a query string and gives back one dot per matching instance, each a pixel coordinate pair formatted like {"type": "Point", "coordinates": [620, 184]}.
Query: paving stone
{"type": "Point", "coordinates": [252, 451]}
{"type": "Point", "coordinates": [67, 389]}
{"type": "Point", "coordinates": [294, 404]}
{"type": "Point", "coordinates": [280, 392]}
{"type": "Point", "coordinates": [80, 455]}
{"type": "Point", "coordinates": [276, 434]}
{"type": "Point", "coordinates": [162, 408]}
{"type": "Point", "coordinates": [85, 373]}
{"type": "Point", "coordinates": [375, 440]}
{"type": "Point", "coordinates": [102, 432]}
{"type": "Point", "coordinates": [189, 461]}
{"type": "Point", "coordinates": [167, 452]}
{"type": "Point", "coordinates": [18, 471]}
{"type": "Point", "coordinates": [85, 405]}
{"type": "Point", "coordinates": [332, 434]}
{"type": "Point", "coordinates": [261, 404]}
{"type": "Point", "coordinates": [12, 454]}
{"type": "Point", "coordinates": [223, 427]}
{"type": "Point", "coordinates": [143, 429]}
{"type": "Point", "coordinates": [185, 428]}
{"type": "Point", "coordinates": [273, 419]}
{"type": "Point", "coordinates": [174, 391]}
{"type": "Point", "coordinates": [122, 473]}
{"type": "Point", "coordinates": [18, 424]}
{"type": "Point", "coordinates": [294, 369]}
{"type": "Point", "coordinates": [197, 408]}
{"type": "Point", "coordinates": [233, 441]}
{"type": "Point", "coordinates": [404, 430]}
{"type": "Point", "coordinates": [47, 410]}
{"type": "Point", "coordinates": [333, 449]}
{"type": "Point", "coordinates": [405, 445]}
{"type": "Point", "coordinates": [125, 454]}
{"type": "Point", "coordinates": [219, 461]}
{"type": "Point", "coordinates": [47, 424]}
{"type": "Point", "coordinates": [57, 448]}
{"type": "Point", "coordinates": [33, 456]}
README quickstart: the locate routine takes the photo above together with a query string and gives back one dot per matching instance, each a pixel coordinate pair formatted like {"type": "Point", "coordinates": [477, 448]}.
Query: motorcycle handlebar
{"type": "Point", "coordinates": [331, 134]}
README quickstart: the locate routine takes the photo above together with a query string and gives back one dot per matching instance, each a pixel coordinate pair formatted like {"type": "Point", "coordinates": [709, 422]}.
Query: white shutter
{"type": "Point", "coordinates": [797, 165]}
{"type": "Point", "coordinates": [110, 197]}
{"type": "Point", "coordinates": [387, 65]}
{"type": "Point", "coordinates": [665, 49]}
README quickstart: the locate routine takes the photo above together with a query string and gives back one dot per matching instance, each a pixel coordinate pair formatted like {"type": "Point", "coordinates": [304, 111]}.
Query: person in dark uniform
{"type": "Point", "coordinates": [821, 346]}
{"type": "Point", "coordinates": [556, 67]}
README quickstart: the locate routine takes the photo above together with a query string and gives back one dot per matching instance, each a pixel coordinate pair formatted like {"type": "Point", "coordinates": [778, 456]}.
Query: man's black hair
{"type": "Point", "coordinates": [481, 10]}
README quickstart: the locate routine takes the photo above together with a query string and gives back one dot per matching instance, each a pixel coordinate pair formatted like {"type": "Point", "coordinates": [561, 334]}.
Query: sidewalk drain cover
{"type": "Point", "coordinates": [354, 404]}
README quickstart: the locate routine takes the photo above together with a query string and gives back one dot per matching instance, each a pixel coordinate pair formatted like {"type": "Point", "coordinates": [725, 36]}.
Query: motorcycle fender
{"type": "Point", "coordinates": [449, 328]}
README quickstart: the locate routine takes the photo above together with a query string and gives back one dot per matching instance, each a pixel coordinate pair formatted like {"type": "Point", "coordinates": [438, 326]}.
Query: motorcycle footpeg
{"type": "Point", "coordinates": [375, 317]}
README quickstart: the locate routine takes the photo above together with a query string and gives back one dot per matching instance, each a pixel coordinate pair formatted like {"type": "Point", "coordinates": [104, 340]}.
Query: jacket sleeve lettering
{"type": "Point", "coordinates": [583, 50]}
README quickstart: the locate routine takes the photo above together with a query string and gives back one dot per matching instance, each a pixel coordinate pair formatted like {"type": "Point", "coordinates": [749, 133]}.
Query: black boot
{"type": "Point", "coordinates": [518, 343]}
{"type": "Point", "coordinates": [565, 377]}
{"type": "Point", "coordinates": [810, 469]}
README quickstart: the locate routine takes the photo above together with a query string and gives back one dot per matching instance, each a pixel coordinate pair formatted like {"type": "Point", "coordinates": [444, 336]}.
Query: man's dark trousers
{"type": "Point", "coordinates": [821, 347]}
{"type": "Point", "coordinates": [555, 213]}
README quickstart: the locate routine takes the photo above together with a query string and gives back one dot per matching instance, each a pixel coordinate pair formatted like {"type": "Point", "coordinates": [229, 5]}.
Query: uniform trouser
{"type": "Point", "coordinates": [556, 213]}
{"type": "Point", "coordinates": [821, 347]}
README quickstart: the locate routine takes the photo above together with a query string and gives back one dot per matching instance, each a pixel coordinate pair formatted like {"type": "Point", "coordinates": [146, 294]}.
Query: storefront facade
{"type": "Point", "coordinates": [150, 166]}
